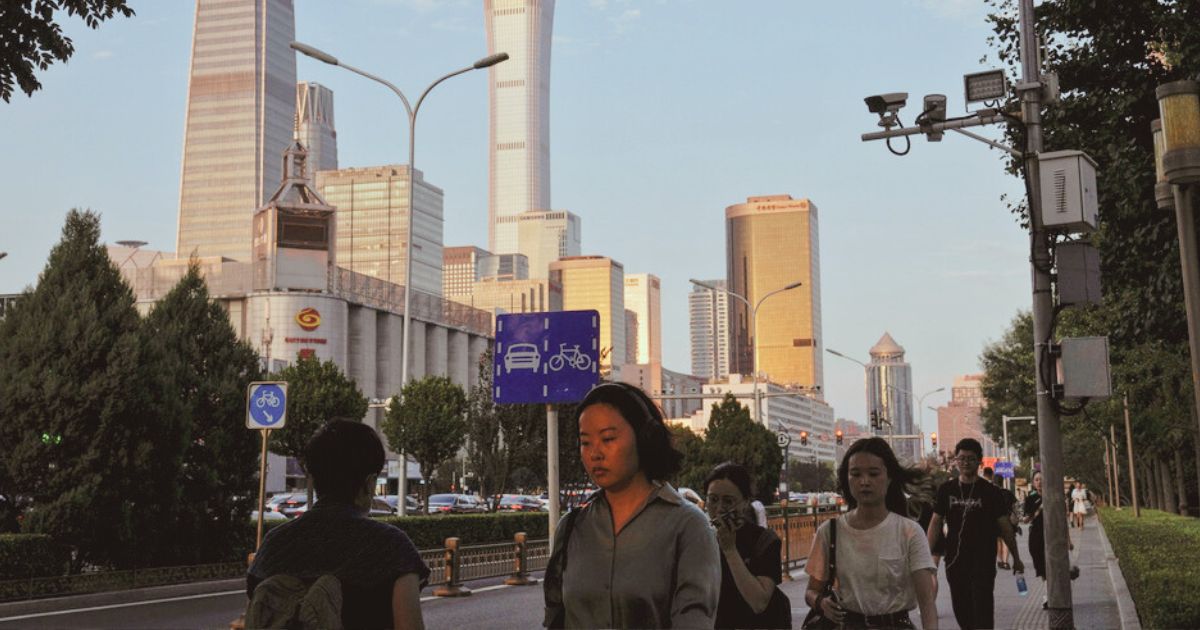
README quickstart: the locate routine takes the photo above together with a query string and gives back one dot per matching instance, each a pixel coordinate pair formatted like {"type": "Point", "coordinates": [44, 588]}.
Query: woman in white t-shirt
{"type": "Point", "coordinates": [883, 565]}
{"type": "Point", "coordinates": [1079, 504]}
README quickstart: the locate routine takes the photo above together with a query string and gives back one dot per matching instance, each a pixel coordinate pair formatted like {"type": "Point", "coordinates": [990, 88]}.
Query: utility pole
{"type": "Point", "coordinates": [1137, 506]}
{"type": "Point", "coordinates": [1058, 562]}
{"type": "Point", "coordinates": [1116, 468]}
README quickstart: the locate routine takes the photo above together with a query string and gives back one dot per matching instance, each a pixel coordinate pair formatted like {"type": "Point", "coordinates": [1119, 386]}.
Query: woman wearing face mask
{"type": "Point", "coordinates": [750, 564]}
{"type": "Point", "coordinates": [635, 554]}
{"type": "Point", "coordinates": [884, 568]}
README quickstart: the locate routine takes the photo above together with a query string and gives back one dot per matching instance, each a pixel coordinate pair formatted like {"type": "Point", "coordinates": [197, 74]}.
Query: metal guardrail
{"type": "Point", "coordinates": [449, 566]}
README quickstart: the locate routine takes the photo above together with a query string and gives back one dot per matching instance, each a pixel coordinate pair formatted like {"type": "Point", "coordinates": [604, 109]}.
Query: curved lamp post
{"type": "Point", "coordinates": [486, 62]}
{"type": "Point", "coordinates": [754, 322]}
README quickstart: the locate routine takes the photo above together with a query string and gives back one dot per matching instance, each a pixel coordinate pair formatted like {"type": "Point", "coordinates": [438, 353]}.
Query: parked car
{"type": "Point", "coordinates": [411, 505]}
{"type": "Point", "coordinates": [380, 507]}
{"type": "Point", "coordinates": [268, 515]}
{"type": "Point", "coordinates": [519, 503]}
{"type": "Point", "coordinates": [292, 505]}
{"type": "Point", "coordinates": [455, 504]}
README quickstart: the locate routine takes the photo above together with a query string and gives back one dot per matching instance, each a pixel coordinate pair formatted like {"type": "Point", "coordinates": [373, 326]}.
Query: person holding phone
{"type": "Point", "coordinates": [750, 554]}
{"type": "Point", "coordinates": [884, 568]}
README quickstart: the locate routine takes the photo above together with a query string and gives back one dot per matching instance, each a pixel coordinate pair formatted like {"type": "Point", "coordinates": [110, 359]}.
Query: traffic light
{"type": "Point", "coordinates": [804, 438]}
{"type": "Point", "coordinates": [838, 435]}
{"type": "Point", "coordinates": [933, 436]}
{"type": "Point", "coordinates": [874, 420]}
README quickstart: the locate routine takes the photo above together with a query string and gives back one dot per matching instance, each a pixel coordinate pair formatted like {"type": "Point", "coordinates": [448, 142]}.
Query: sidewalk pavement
{"type": "Point", "coordinates": [1093, 597]}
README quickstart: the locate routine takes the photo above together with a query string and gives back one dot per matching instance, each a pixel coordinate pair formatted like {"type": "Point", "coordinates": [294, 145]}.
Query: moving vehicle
{"type": "Point", "coordinates": [455, 504]}
{"type": "Point", "coordinates": [519, 503]}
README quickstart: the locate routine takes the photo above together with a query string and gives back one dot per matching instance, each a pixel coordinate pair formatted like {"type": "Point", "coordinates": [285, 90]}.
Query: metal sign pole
{"type": "Point", "coordinates": [262, 486]}
{"type": "Point", "coordinates": [552, 468]}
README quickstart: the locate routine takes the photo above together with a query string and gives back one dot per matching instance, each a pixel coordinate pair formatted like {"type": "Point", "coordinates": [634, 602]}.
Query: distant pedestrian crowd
{"type": "Point", "coordinates": [638, 554]}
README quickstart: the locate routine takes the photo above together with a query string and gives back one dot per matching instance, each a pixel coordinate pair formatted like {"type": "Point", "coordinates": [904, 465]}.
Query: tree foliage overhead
{"type": "Point", "coordinates": [207, 368]}
{"type": "Point", "coordinates": [89, 434]}
{"type": "Point", "coordinates": [503, 439]}
{"type": "Point", "coordinates": [31, 38]}
{"type": "Point", "coordinates": [428, 422]}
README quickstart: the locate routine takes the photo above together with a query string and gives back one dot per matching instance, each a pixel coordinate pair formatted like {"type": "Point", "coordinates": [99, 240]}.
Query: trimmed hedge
{"type": "Point", "coordinates": [431, 532]}
{"type": "Point", "coordinates": [32, 555]}
{"type": "Point", "coordinates": [1159, 553]}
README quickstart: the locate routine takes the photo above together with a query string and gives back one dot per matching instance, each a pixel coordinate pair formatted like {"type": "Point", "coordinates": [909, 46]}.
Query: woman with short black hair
{"type": "Point", "coordinates": [750, 554]}
{"type": "Point", "coordinates": [635, 554]}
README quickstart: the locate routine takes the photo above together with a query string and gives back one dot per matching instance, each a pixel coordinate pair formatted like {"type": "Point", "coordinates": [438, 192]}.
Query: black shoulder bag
{"type": "Point", "coordinates": [556, 611]}
{"type": "Point", "coordinates": [816, 619]}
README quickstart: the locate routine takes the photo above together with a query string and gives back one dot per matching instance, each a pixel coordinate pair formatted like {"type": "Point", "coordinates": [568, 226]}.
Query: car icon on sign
{"type": "Point", "coordinates": [522, 356]}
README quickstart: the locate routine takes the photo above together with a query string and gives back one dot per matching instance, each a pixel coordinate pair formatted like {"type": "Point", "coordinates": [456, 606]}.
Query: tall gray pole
{"type": "Point", "coordinates": [1116, 467]}
{"type": "Point", "coordinates": [1058, 562]}
{"type": "Point", "coordinates": [1137, 506]}
{"type": "Point", "coordinates": [1185, 219]}
{"type": "Point", "coordinates": [552, 468]}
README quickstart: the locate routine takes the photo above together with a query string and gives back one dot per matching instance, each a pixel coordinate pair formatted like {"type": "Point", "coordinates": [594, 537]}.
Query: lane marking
{"type": "Point", "coordinates": [55, 613]}
{"type": "Point", "coordinates": [429, 598]}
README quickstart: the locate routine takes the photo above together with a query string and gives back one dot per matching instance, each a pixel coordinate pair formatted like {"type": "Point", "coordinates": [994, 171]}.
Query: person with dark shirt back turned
{"type": "Point", "coordinates": [379, 570]}
{"type": "Point", "coordinates": [976, 514]}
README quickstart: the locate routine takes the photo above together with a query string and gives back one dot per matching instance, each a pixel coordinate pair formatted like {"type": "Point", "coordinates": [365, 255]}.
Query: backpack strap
{"type": "Point", "coordinates": [832, 554]}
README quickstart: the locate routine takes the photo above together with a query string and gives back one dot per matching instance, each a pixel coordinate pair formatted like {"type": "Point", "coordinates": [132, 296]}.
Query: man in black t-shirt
{"type": "Point", "coordinates": [975, 514]}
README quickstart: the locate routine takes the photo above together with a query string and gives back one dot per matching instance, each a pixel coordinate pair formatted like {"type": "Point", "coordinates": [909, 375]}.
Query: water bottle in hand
{"type": "Point", "coordinates": [1022, 589]}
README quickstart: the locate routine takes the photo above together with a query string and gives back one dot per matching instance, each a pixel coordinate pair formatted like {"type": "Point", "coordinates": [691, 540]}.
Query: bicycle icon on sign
{"type": "Point", "coordinates": [266, 397]}
{"type": "Point", "coordinates": [570, 356]}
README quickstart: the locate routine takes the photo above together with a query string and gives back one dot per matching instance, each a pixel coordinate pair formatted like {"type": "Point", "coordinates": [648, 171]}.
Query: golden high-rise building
{"type": "Point", "coordinates": [771, 242]}
{"type": "Point", "coordinates": [596, 282]}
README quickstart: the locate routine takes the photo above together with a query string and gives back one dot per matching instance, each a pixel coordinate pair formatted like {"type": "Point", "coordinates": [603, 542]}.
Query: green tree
{"type": "Point", "coordinates": [30, 36]}
{"type": "Point", "coordinates": [695, 466]}
{"type": "Point", "coordinates": [502, 439]}
{"type": "Point", "coordinates": [807, 477]}
{"type": "Point", "coordinates": [733, 436]}
{"type": "Point", "coordinates": [428, 422]}
{"type": "Point", "coordinates": [318, 391]}
{"type": "Point", "coordinates": [208, 368]}
{"type": "Point", "coordinates": [91, 433]}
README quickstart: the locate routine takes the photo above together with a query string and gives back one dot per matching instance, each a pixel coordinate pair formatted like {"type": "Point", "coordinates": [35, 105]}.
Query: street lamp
{"type": "Point", "coordinates": [921, 413]}
{"type": "Point", "coordinates": [753, 322]}
{"type": "Point", "coordinates": [486, 62]}
{"type": "Point", "coordinates": [1004, 420]}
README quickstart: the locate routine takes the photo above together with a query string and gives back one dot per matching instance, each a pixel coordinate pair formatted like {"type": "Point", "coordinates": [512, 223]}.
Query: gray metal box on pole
{"type": "Point", "coordinates": [1068, 191]}
{"type": "Point", "coordinates": [1078, 266]}
{"type": "Point", "coordinates": [1083, 370]}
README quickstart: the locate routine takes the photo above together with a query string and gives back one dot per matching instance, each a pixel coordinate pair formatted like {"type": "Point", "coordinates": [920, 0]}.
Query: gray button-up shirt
{"type": "Point", "coordinates": [662, 571]}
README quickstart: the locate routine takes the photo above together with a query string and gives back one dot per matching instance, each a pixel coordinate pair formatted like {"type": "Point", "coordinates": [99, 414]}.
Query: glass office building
{"type": "Point", "coordinates": [372, 224]}
{"type": "Point", "coordinates": [596, 283]}
{"type": "Point", "coordinates": [314, 127]}
{"type": "Point", "coordinates": [708, 321]}
{"type": "Point", "coordinates": [519, 95]}
{"type": "Point", "coordinates": [240, 117]}
{"type": "Point", "coordinates": [771, 242]}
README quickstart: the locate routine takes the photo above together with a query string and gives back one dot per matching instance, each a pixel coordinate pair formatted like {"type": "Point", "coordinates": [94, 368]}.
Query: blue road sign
{"type": "Point", "coordinates": [546, 357]}
{"type": "Point", "coordinates": [266, 405]}
{"type": "Point", "coordinates": [1004, 469]}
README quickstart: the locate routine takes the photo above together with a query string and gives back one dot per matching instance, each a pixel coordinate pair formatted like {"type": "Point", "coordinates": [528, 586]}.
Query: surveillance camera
{"type": "Point", "coordinates": [890, 102]}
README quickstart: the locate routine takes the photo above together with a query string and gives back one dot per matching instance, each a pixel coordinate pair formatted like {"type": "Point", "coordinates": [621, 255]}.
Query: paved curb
{"type": "Point", "coordinates": [1125, 605]}
{"type": "Point", "coordinates": [14, 609]}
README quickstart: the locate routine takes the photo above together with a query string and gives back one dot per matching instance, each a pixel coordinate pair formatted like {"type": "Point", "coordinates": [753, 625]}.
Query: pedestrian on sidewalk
{"type": "Point", "coordinates": [1037, 531]}
{"type": "Point", "coordinates": [635, 554]}
{"type": "Point", "coordinates": [883, 567]}
{"type": "Point", "coordinates": [750, 555]}
{"type": "Point", "coordinates": [1010, 504]}
{"type": "Point", "coordinates": [1078, 504]}
{"type": "Point", "coordinates": [974, 512]}
{"type": "Point", "coordinates": [369, 568]}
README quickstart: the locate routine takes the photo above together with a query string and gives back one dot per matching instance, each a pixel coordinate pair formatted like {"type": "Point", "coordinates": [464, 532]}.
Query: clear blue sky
{"type": "Point", "coordinates": [663, 112]}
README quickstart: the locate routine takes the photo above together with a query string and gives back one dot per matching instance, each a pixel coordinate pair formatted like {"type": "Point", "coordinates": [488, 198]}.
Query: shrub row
{"type": "Point", "coordinates": [1159, 553]}
{"type": "Point", "coordinates": [32, 555]}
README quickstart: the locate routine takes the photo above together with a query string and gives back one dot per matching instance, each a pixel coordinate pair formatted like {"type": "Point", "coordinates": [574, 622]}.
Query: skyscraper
{"type": "Point", "coordinates": [596, 282]}
{"type": "Point", "coordinates": [771, 242]}
{"type": "Point", "coordinates": [519, 95]}
{"type": "Point", "coordinates": [889, 395]}
{"type": "Point", "coordinates": [240, 118]}
{"type": "Point", "coordinates": [544, 237]}
{"type": "Point", "coordinates": [643, 297]}
{"type": "Point", "coordinates": [708, 320]}
{"type": "Point", "coordinates": [460, 270]}
{"type": "Point", "coordinates": [372, 223]}
{"type": "Point", "coordinates": [962, 417]}
{"type": "Point", "coordinates": [314, 127]}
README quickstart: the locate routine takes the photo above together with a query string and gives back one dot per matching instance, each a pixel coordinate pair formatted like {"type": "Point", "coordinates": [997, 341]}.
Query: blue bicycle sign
{"type": "Point", "coordinates": [266, 405]}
